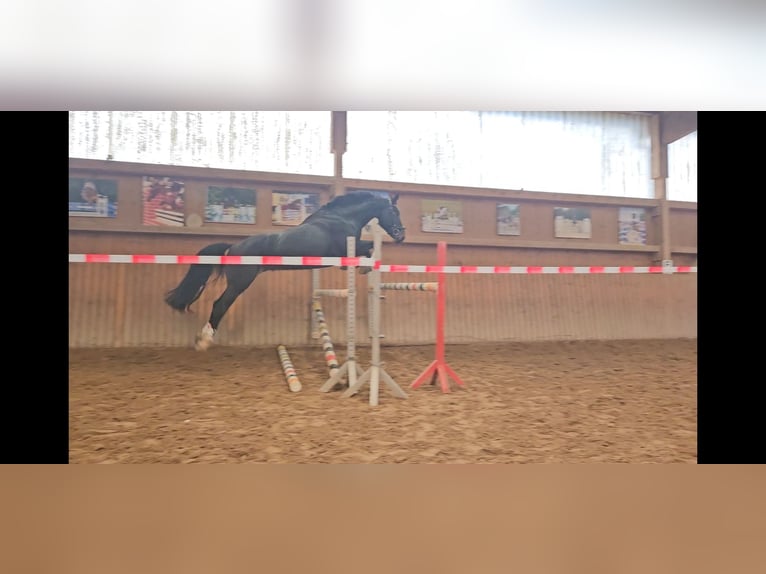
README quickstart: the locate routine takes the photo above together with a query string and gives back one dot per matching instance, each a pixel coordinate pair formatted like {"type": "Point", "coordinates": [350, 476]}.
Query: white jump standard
{"type": "Point", "coordinates": [376, 372]}
{"type": "Point", "coordinates": [349, 368]}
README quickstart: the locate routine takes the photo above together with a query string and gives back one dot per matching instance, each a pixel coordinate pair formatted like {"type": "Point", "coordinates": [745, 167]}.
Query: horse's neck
{"type": "Point", "coordinates": [362, 214]}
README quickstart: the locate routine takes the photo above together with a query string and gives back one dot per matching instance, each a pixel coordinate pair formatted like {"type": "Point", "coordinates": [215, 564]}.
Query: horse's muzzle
{"type": "Point", "coordinates": [398, 235]}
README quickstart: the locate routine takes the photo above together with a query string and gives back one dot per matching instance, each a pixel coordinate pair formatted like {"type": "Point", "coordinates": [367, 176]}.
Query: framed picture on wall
{"type": "Point", "coordinates": [508, 219]}
{"type": "Point", "coordinates": [441, 216]}
{"type": "Point", "coordinates": [163, 201]}
{"type": "Point", "coordinates": [291, 208]}
{"type": "Point", "coordinates": [572, 222]}
{"type": "Point", "coordinates": [632, 226]}
{"type": "Point", "coordinates": [230, 205]}
{"type": "Point", "coordinates": [90, 197]}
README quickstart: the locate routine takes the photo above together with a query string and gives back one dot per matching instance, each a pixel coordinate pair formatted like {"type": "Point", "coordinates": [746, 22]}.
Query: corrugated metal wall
{"type": "Point", "coordinates": [122, 305]}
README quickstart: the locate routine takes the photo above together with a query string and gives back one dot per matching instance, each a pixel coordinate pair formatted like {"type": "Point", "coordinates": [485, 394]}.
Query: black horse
{"type": "Point", "coordinates": [322, 234]}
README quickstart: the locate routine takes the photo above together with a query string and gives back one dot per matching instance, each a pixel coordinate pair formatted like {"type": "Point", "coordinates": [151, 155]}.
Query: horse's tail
{"type": "Point", "coordinates": [193, 283]}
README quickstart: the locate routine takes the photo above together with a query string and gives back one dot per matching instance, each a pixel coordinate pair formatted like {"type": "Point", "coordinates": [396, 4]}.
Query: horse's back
{"type": "Point", "coordinates": [301, 240]}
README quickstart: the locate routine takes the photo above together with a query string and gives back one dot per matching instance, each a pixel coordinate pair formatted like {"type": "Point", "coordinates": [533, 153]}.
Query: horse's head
{"type": "Point", "coordinates": [390, 221]}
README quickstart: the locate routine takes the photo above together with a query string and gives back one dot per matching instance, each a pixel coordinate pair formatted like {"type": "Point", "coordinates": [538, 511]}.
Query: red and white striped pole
{"type": "Point", "coordinates": [375, 264]}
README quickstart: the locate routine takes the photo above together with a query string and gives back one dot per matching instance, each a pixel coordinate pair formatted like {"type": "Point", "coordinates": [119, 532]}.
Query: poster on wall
{"type": "Point", "coordinates": [572, 222]}
{"type": "Point", "coordinates": [632, 226]}
{"type": "Point", "coordinates": [163, 201]}
{"type": "Point", "coordinates": [291, 208]}
{"type": "Point", "coordinates": [92, 197]}
{"type": "Point", "coordinates": [508, 219]}
{"type": "Point", "coordinates": [230, 205]}
{"type": "Point", "coordinates": [440, 216]}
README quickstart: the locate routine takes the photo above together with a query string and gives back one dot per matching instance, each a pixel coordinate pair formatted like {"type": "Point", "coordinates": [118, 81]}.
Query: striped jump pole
{"type": "Point", "coordinates": [439, 367]}
{"type": "Point", "coordinates": [409, 286]}
{"type": "Point", "coordinates": [349, 368]}
{"type": "Point", "coordinates": [331, 292]}
{"type": "Point", "coordinates": [293, 382]}
{"type": "Point", "coordinates": [376, 372]}
{"type": "Point", "coordinates": [324, 334]}
{"type": "Point", "coordinates": [432, 287]}
{"type": "Point", "coordinates": [291, 260]}
{"type": "Point", "coordinates": [374, 264]}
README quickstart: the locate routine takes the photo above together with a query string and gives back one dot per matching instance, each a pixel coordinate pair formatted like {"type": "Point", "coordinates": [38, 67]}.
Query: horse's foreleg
{"type": "Point", "coordinates": [204, 338]}
{"type": "Point", "coordinates": [364, 249]}
{"type": "Point", "coordinates": [236, 282]}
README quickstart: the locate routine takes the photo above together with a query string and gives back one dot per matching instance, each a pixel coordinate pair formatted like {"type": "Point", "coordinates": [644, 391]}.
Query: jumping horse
{"type": "Point", "coordinates": [321, 234]}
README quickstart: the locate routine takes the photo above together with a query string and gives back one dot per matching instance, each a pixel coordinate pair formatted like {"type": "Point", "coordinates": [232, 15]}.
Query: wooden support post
{"type": "Point", "coordinates": [338, 129]}
{"type": "Point", "coordinates": [659, 175]}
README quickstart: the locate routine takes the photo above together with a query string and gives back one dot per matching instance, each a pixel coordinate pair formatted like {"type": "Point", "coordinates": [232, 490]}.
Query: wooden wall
{"type": "Point", "coordinates": [121, 305]}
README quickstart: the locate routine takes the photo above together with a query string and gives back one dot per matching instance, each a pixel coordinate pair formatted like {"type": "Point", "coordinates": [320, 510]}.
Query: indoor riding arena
{"type": "Point", "coordinates": [547, 325]}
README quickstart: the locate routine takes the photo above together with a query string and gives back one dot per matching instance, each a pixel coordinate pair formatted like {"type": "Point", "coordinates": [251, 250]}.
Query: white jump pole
{"type": "Point", "coordinates": [312, 313]}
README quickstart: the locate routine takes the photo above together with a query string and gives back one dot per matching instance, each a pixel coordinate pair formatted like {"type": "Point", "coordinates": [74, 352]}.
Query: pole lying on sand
{"type": "Point", "coordinates": [293, 382]}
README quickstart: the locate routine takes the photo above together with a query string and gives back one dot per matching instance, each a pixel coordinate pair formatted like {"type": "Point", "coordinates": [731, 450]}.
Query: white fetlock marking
{"type": "Point", "coordinates": [205, 338]}
{"type": "Point", "coordinates": [208, 332]}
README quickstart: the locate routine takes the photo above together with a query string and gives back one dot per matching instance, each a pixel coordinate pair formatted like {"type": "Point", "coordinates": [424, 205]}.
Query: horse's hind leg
{"type": "Point", "coordinates": [237, 280]}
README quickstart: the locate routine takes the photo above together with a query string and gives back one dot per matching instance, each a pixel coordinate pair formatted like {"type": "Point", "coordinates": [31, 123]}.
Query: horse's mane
{"type": "Point", "coordinates": [355, 198]}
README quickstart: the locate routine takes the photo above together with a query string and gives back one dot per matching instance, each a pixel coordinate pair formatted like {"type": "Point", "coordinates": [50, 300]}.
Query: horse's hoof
{"type": "Point", "coordinates": [204, 338]}
{"type": "Point", "coordinates": [364, 270]}
{"type": "Point", "coordinates": [202, 344]}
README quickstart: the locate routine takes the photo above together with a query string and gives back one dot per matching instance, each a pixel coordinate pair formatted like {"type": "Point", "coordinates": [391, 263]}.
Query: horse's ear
{"type": "Point", "coordinates": [394, 198]}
